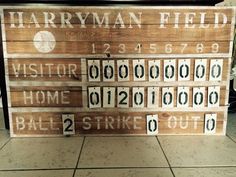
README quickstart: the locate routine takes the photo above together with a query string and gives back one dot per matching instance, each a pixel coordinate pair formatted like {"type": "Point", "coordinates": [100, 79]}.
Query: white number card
{"type": "Point", "coordinates": [123, 70]}
{"type": "Point", "coordinates": [94, 97]}
{"type": "Point", "coordinates": [139, 70]}
{"type": "Point", "coordinates": [210, 124]}
{"type": "Point", "coordinates": [169, 70]}
{"type": "Point", "coordinates": [68, 121]}
{"type": "Point", "coordinates": [94, 70]}
{"type": "Point", "coordinates": [152, 124]}
{"type": "Point", "coordinates": [108, 67]}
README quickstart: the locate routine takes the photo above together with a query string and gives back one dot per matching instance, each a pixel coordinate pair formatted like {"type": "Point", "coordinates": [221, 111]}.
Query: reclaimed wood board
{"type": "Point", "coordinates": [117, 70]}
{"type": "Point", "coordinates": [39, 123]}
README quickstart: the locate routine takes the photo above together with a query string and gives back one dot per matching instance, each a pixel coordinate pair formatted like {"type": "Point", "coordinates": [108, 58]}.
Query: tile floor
{"type": "Point", "coordinates": [162, 156]}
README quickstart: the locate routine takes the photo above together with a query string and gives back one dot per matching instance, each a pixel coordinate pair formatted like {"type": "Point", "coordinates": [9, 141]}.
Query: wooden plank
{"type": "Point", "coordinates": [116, 84]}
{"type": "Point", "coordinates": [46, 96]}
{"type": "Point", "coordinates": [57, 130]}
{"type": "Point", "coordinates": [120, 56]}
{"type": "Point", "coordinates": [45, 69]}
{"type": "Point", "coordinates": [112, 123]}
{"type": "Point", "coordinates": [72, 96]}
{"type": "Point", "coordinates": [147, 33]}
{"type": "Point", "coordinates": [70, 70]}
{"type": "Point", "coordinates": [191, 129]}
{"type": "Point", "coordinates": [153, 47]}
{"type": "Point", "coordinates": [81, 109]}
{"type": "Point", "coordinates": [149, 15]}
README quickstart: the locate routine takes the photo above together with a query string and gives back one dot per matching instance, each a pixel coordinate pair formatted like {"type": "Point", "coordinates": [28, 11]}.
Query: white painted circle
{"type": "Point", "coordinates": [44, 41]}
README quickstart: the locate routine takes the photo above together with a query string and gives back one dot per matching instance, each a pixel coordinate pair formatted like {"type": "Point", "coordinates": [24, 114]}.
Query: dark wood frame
{"type": "Point", "coordinates": [3, 85]}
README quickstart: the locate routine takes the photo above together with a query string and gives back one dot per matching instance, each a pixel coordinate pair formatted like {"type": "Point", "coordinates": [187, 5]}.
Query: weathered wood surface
{"type": "Point", "coordinates": [40, 123]}
{"type": "Point", "coordinates": [45, 69]}
{"type": "Point", "coordinates": [74, 47]}
{"type": "Point", "coordinates": [39, 69]}
{"type": "Point", "coordinates": [149, 15]}
{"type": "Point", "coordinates": [74, 30]}
{"type": "Point", "coordinates": [48, 50]}
{"type": "Point", "coordinates": [147, 33]}
{"type": "Point", "coordinates": [46, 96]}
{"type": "Point", "coordinates": [72, 96]}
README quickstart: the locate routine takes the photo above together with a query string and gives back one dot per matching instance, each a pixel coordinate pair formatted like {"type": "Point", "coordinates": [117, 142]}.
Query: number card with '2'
{"type": "Point", "coordinates": [68, 124]}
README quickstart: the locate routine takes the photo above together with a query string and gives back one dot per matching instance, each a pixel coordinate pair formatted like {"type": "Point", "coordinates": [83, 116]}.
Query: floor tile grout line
{"type": "Point", "coordinates": [5, 144]}
{"type": "Point", "coordinates": [39, 169]}
{"type": "Point", "coordinates": [230, 138]}
{"type": "Point", "coordinates": [110, 168]}
{"type": "Point", "coordinates": [107, 168]}
{"type": "Point", "coordinates": [220, 166]}
{"type": "Point", "coordinates": [165, 156]}
{"type": "Point", "coordinates": [77, 163]}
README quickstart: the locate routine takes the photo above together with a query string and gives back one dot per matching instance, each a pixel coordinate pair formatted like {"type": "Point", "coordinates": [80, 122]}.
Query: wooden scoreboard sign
{"type": "Point", "coordinates": [117, 70]}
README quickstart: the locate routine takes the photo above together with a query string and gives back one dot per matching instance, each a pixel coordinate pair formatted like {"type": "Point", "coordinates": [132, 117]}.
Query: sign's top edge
{"type": "Point", "coordinates": [47, 6]}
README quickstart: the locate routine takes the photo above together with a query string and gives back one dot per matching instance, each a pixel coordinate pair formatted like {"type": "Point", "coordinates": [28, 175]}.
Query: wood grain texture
{"type": "Point", "coordinates": [74, 29]}
{"type": "Point", "coordinates": [38, 69]}
{"type": "Point", "coordinates": [47, 50]}
{"type": "Point", "coordinates": [41, 123]}
{"type": "Point", "coordinates": [72, 96]}
{"type": "Point", "coordinates": [149, 14]}
{"type": "Point", "coordinates": [46, 96]}
{"type": "Point", "coordinates": [147, 33]}
{"type": "Point", "coordinates": [45, 69]}
{"type": "Point", "coordinates": [73, 47]}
